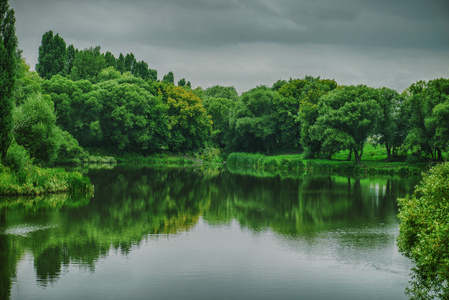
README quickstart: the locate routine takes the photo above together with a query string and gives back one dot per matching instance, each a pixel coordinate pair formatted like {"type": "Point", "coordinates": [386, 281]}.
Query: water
{"type": "Point", "coordinates": [184, 233]}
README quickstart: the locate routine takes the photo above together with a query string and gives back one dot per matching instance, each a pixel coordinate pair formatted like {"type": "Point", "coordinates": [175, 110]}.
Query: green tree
{"type": "Point", "coordinates": [253, 121]}
{"type": "Point", "coordinates": [297, 111]}
{"type": "Point", "coordinates": [35, 128]}
{"type": "Point", "coordinates": [218, 91]}
{"type": "Point", "coordinates": [71, 54]}
{"type": "Point", "coordinates": [27, 82]}
{"type": "Point", "coordinates": [424, 234]}
{"type": "Point", "coordinates": [347, 116]}
{"type": "Point", "coordinates": [190, 126]}
{"type": "Point", "coordinates": [424, 104]}
{"type": "Point", "coordinates": [8, 45]}
{"type": "Point", "coordinates": [219, 109]}
{"type": "Point", "coordinates": [278, 84]}
{"type": "Point", "coordinates": [121, 63]}
{"type": "Point", "coordinates": [52, 57]}
{"type": "Point", "coordinates": [110, 60]}
{"type": "Point", "coordinates": [389, 126]}
{"type": "Point", "coordinates": [130, 62]}
{"type": "Point", "coordinates": [182, 82]}
{"type": "Point", "coordinates": [169, 78]}
{"type": "Point", "coordinates": [88, 64]}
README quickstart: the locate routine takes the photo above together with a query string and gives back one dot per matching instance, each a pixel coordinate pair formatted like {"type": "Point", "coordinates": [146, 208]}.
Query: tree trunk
{"type": "Point", "coordinates": [350, 154]}
{"type": "Point", "coordinates": [358, 158]}
{"type": "Point", "coordinates": [388, 151]}
{"type": "Point", "coordinates": [439, 155]}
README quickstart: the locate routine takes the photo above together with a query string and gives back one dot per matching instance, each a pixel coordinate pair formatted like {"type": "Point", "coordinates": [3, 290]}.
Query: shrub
{"type": "Point", "coordinates": [17, 157]}
{"type": "Point", "coordinates": [424, 233]}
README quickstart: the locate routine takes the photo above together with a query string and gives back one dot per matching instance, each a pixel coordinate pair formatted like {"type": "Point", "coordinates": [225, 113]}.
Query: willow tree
{"type": "Point", "coordinates": [8, 45]}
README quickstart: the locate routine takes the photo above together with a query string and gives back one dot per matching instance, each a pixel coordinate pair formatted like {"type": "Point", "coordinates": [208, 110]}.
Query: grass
{"type": "Point", "coordinates": [33, 180]}
{"type": "Point", "coordinates": [373, 162]}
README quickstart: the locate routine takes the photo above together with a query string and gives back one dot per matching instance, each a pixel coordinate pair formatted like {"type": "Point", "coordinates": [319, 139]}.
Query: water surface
{"type": "Point", "coordinates": [164, 234]}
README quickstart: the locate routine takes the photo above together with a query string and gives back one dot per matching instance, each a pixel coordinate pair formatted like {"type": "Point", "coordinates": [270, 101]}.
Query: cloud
{"type": "Point", "coordinates": [246, 43]}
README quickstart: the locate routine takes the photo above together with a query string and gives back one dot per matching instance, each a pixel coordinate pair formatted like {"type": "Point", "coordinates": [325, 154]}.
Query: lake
{"type": "Point", "coordinates": [192, 234]}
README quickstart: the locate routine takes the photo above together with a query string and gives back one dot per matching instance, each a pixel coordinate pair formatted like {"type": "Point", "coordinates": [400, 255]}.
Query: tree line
{"type": "Point", "coordinates": [86, 98]}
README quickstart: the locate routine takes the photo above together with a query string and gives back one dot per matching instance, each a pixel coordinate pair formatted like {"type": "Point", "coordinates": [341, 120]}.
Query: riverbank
{"type": "Point", "coordinates": [295, 163]}
{"type": "Point", "coordinates": [34, 180]}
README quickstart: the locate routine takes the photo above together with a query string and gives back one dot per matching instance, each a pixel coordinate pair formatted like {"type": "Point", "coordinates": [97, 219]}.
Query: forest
{"type": "Point", "coordinates": [89, 99]}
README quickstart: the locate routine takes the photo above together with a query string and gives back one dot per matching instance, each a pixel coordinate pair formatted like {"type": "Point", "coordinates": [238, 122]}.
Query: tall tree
{"type": "Point", "coordinates": [8, 45]}
{"type": "Point", "coordinates": [130, 62]}
{"type": "Point", "coordinates": [169, 78]}
{"type": "Point", "coordinates": [391, 132]}
{"type": "Point", "coordinates": [111, 61]}
{"type": "Point", "coordinates": [347, 116]}
{"type": "Point", "coordinates": [253, 122]}
{"type": "Point", "coordinates": [425, 103]}
{"type": "Point", "coordinates": [88, 64]}
{"type": "Point", "coordinates": [121, 63]}
{"type": "Point", "coordinates": [71, 54]}
{"type": "Point", "coordinates": [52, 55]}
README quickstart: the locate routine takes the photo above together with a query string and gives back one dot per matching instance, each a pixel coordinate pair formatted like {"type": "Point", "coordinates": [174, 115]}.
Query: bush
{"type": "Point", "coordinates": [424, 233]}
{"type": "Point", "coordinates": [16, 158]}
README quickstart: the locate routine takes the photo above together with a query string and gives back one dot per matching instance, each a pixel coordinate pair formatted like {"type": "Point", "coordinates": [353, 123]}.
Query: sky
{"type": "Point", "coordinates": [247, 43]}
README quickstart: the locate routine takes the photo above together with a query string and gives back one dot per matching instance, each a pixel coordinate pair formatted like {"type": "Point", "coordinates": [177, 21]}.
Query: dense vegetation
{"type": "Point", "coordinates": [28, 129]}
{"type": "Point", "coordinates": [87, 99]}
{"type": "Point", "coordinates": [424, 234]}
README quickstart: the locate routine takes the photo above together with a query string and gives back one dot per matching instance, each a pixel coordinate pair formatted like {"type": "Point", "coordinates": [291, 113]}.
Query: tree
{"type": "Point", "coordinates": [389, 127]}
{"type": "Point", "coordinates": [88, 64]}
{"type": "Point", "coordinates": [35, 128]}
{"type": "Point", "coordinates": [347, 116]}
{"type": "Point", "coordinates": [182, 82]}
{"type": "Point", "coordinates": [297, 111]}
{"type": "Point", "coordinates": [71, 54]}
{"type": "Point", "coordinates": [253, 121]}
{"type": "Point", "coordinates": [121, 63]}
{"type": "Point", "coordinates": [130, 62]}
{"type": "Point", "coordinates": [424, 103]}
{"type": "Point", "coordinates": [219, 109]}
{"type": "Point", "coordinates": [218, 91]}
{"type": "Point", "coordinates": [424, 234]}
{"type": "Point", "coordinates": [52, 57]}
{"type": "Point", "coordinates": [110, 60]}
{"type": "Point", "coordinates": [8, 45]}
{"type": "Point", "coordinates": [169, 78]}
{"type": "Point", "coordinates": [190, 126]}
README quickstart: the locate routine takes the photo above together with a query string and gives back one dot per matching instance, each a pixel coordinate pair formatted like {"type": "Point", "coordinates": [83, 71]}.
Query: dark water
{"type": "Point", "coordinates": [184, 233]}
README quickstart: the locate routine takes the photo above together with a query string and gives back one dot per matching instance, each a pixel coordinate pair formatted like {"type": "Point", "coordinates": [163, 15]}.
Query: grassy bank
{"type": "Point", "coordinates": [34, 180]}
{"type": "Point", "coordinates": [295, 163]}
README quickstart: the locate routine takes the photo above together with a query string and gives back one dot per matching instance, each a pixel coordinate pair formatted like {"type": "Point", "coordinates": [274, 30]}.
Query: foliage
{"type": "Point", "coordinates": [390, 124]}
{"type": "Point", "coordinates": [169, 78]}
{"type": "Point", "coordinates": [17, 158]}
{"type": "Point", "coordinates": [347, 116]}
{"type": "Point", "coordinates": [424, 234]}
{"type": "Point", "coordinates": [87, 64]}
{"type": "Point", "coordinates": [52, 56]}
{"type": "Point", "coordinates": [27, 83]}
{"type": "Point", "coordinates": [218, 91]}
{"type": "Point", "coordinates": [219, 109]}
{"type": "Point", "coordinates": [426, 106]}
{"type": "Point", "coordinates": [8, 45]}
{"type": "Point", "coordinates": [35, 180]}
{"type": "Point", "coordinates": [36, 129]}
{"type": "Point", "coordinates": [298, 111]}
{"type": "Point", "coordinates": [253, 122]}
{"type": "Point", "coordinates": [190, 126]}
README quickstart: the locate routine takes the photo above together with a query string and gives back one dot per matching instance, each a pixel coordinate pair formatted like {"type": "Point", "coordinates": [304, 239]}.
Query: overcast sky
{"type": "Point", "coordinates": [390, 43]}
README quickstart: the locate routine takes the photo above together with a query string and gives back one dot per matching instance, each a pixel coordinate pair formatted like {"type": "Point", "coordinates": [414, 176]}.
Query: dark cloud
{"type": "Point", "coordinates": [245, 43]}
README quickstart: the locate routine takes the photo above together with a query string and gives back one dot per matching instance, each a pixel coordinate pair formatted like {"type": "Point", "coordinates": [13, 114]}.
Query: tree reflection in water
{"type": "Point", "coordinates": [131, 204]}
